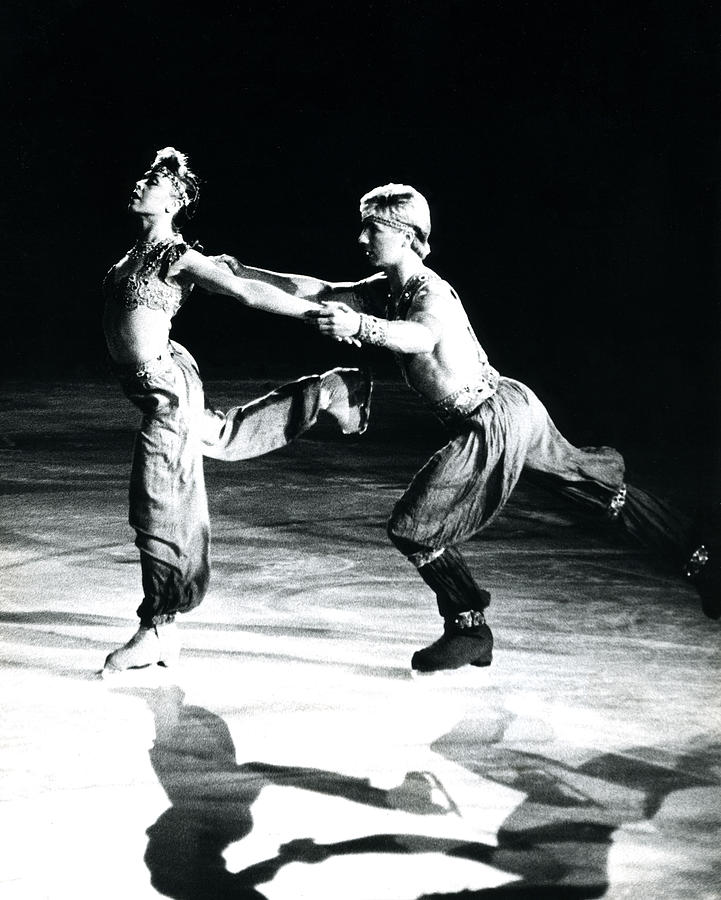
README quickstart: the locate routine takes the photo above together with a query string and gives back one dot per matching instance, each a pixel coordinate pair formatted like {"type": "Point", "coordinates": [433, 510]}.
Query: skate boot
{"type": "Point", "coordinates": [150, 645]}
{"type": "Point", "coordinates": [704, 570]}
{"type": "Point", "coordinates": [346, 396]}
{"type": "Point", "coordinates": [466, 640]}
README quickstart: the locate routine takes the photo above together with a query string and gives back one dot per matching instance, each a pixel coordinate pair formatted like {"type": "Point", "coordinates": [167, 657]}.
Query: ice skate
{"type": "Point", "coordinates": [149, 646]}
{"type": "Point", "coordinates": [466, 640]}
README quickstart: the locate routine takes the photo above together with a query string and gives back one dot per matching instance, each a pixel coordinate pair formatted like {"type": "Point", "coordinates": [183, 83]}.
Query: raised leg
{"type": "Point", "coordinates": [277, 418]}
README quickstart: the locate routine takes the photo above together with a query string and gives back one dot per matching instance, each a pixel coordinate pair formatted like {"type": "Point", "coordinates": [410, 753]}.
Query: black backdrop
{"type": "Point", "coordinates": [569, 152]}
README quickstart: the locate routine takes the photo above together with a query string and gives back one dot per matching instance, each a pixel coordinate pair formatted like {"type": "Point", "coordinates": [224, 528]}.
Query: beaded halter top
{"type": "Point", "coordinates": [147, 286]}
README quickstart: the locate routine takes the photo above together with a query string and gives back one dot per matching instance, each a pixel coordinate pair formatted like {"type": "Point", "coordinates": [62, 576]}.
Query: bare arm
{"type": "Point", "coordinates": [258, 294]}
{"type": "Point", "coordinates": [419, 333]}
{"type": "Point", "coordinates": [306, 287]}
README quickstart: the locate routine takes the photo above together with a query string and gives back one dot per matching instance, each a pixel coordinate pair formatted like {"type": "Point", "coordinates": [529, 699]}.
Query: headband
{"type": "Point", "coordinates": [419, 244]}
{"type": "Point", "coordinates": [180, 189]}
{"type": "Point", "coordinates": [390, 220]}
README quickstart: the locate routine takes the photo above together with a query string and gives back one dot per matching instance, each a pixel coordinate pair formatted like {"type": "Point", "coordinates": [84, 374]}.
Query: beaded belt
{"type": "Point", "coordinates": [160, 363]}
{"type": "Point", "coordinates": [462, 403]}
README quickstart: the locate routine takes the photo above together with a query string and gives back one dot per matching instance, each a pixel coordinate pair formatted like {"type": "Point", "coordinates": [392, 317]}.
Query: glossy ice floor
{"type": "Point", "coordinates": [291, 755]}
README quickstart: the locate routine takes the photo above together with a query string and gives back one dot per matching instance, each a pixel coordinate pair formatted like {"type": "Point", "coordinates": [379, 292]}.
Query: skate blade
{"type": "Point", "coordinates": [471, 674]}
{"type": "Point", "coordinates": [155, 675]}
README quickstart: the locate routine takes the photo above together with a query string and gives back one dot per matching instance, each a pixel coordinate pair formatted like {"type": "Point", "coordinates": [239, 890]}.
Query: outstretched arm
{"type": "Point", "coordinates": [256, 293]}
{"type": "Point", "coordinates": [305, 286]}
{"type": "Point", "coordinates": [419, 333]}
{"type": "Point", "coordinates": [370, 293]}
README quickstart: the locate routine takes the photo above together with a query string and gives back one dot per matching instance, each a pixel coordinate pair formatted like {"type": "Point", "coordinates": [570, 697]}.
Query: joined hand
{"type": "Point", "coordinates": [336, 320]}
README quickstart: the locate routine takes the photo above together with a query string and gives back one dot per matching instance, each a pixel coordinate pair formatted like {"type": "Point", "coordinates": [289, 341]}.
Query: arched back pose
{"type": "Point", "coordinates": [497, 428]}
{"type": "Point", "coordinates": [168, 505]}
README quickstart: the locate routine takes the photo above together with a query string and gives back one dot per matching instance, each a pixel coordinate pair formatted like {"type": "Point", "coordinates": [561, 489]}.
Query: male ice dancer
{"type": "Point", "coordinates": [497, 427]}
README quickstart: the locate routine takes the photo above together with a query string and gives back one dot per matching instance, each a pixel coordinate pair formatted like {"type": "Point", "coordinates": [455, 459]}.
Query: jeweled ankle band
{"type": "Point", "coordinates": [617, 503]}
{"type": "Point", "coordinates": [696, 561]}
{"type": "Point", "coordinates": [424, 557]}
{"type": "Point", "coordinates": [471, 618]}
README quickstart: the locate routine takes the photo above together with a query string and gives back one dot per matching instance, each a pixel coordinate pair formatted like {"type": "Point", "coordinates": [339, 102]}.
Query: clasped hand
{"type": "Point", "coordinates": [336, 320]}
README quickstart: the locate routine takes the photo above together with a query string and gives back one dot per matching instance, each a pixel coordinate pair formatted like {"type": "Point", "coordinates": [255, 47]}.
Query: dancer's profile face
{"type": "Point", "coordinates": [383, 245]}
{"type": "Point", "coordinates": [153, 194]}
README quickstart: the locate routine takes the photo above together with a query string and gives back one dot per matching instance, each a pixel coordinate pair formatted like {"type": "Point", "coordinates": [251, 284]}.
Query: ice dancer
{"type": "Point", "coordinates": [497, 429]}
{"type": "Point", "coordinates": [168, 504]}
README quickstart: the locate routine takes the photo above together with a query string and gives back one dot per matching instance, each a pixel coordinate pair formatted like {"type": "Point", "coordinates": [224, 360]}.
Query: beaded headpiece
{"type": "Point", "coordinates": [401, 207]}
{"type": "Point", "coordinates": [174, 166]}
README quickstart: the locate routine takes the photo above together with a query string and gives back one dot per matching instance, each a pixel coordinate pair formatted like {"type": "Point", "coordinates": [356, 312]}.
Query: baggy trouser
{"type": "Point", "coordinates": [466, 484]}
{"type": "Point", "coordinates": [168, 502]}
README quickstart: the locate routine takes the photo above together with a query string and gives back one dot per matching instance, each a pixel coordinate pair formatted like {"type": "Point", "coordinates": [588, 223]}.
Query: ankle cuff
{"type": "Point", "coordinates": [164, 619]}
{"type": "Point", "coordinates": [618, 501]}
{"type": "Point", "coordinates": [697, 561]}
{"type": "Point", "coordinates": [425, 557]}
{"type": "Point", "coordinates": [471, 618]}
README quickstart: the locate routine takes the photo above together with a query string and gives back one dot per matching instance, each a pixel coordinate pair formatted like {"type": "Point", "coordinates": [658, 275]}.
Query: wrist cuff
{"type": "Point", "coordinates": [373, 330]}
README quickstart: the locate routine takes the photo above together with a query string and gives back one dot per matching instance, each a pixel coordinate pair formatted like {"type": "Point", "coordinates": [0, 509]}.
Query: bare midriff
{"type": "Point", "coordinates": [134, 336]}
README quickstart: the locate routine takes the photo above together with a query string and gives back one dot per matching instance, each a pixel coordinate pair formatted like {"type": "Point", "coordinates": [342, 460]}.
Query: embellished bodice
{"type": "Point", "coordinates": [147, 285]}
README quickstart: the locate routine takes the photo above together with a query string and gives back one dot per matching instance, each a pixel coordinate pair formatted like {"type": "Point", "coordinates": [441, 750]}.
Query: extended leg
{"type": "Point", "coordinates": [277, 418]}
{"type": "Point", "coordinates": [650, 521]}
{"type": "Point", "coordinates": [593, 478]}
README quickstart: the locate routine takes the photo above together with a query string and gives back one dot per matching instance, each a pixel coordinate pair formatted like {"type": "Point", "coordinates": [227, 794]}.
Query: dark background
{"type": "Point", "coordinates": [569, 153]}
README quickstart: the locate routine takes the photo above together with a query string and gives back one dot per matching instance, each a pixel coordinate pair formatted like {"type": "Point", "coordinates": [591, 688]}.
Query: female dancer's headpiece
{"type": "Point", "coordinates": [186, 185]}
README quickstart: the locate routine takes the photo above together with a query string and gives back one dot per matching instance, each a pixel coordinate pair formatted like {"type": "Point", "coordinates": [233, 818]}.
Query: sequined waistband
{"type": "Point", "coordinates": [160, 363]}
{"type": "Point", "coordinates": [461, 404]}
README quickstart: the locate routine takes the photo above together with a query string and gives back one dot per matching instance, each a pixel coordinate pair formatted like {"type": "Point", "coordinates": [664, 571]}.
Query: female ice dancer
{"type": "Point", "coordinates": [168, 505]}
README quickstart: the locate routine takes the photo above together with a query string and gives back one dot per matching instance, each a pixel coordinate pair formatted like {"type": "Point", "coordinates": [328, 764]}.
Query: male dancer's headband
{"type": "Point", "coordinates": [401, 207]}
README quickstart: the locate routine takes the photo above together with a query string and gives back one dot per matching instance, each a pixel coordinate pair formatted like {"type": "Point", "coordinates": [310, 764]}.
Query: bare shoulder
{"type": "Point", "coordinates": [185, 263]}
{"type": "Point", "coordinates": [433, 293]}
{"type": "Point", "coordinates": [181, 257]}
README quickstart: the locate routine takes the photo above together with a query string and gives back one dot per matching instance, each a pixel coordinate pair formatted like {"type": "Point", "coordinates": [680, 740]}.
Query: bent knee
{"type": "Point", "coordinates": [393, 531]}
{"type": "Point", "coordinates": [401, 537]}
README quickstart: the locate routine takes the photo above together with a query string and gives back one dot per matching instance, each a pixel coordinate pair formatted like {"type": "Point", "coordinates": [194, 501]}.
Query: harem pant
{"type": "Point", "coordinates": [168, 503]}
{"type": "Point", "coordinates": [466, 484]}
